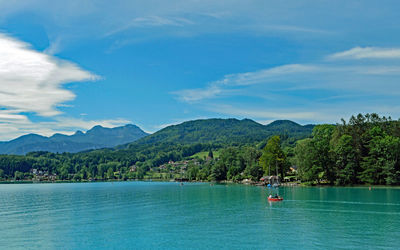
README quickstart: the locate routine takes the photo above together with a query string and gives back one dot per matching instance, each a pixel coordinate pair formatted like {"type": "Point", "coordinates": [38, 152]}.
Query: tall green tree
{"type": "Point", "coordinates": [273, 158]}
{"type": "Point", "coordinates": [110, 173]}
{"type": "Point", "coordinates": [218, 172]}
{"type": "Point", "coordinates": [322, 135]}
{"type": "Point", "coordinates": [230, 161]}
{"type": "Point", "coordinates": [313, 156]}
{"type": "Point", "coordinates": [381, 165]}
{"type": "Point", "coordinates": [305, 159]}
{"type": "Point", "coordinates": [18, 175]}
{"type": "Point", "coordinates": [210, 154]}
{"type": "Point", "coordinates": [345, 161]}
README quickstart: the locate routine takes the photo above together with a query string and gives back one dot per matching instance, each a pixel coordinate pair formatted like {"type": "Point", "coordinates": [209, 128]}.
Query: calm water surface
{"type": "Point", "coordinates": [151, 215]}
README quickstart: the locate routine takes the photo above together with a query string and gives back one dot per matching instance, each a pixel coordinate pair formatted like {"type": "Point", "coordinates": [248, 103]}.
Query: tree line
{"type": "Point", "coordinates": [364, 150]}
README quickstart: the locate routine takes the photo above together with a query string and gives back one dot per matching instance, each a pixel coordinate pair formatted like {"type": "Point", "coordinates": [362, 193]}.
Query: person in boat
{"type": "Point", "coordinates": [270, 196]}
{"type": "Point", "coordinates": [276, 196]}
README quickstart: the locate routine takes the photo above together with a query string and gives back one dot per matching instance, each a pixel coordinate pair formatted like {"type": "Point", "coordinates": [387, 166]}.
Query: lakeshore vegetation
{"type": "Point", "coordinates": [364, 150]}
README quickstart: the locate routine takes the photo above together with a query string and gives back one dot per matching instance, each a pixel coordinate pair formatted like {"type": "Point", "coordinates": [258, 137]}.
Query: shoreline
{"type": "Point", "coordinates": [210, 182]}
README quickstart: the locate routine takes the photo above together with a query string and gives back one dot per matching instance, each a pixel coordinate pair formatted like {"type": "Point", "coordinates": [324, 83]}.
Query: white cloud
{"type": "Point", "coordinates": [7, 116]}
{"type": "Point", "coordinates": [367, 53]}
{"type": "Point", "coordinates": [31, 81]}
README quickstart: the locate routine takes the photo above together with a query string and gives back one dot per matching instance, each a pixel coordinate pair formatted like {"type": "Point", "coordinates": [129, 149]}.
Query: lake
{"type": "Point", "coordinates": [160, 215]}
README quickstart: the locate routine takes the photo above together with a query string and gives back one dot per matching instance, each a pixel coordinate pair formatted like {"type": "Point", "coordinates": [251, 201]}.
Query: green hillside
{"type": "Point", "coordinates": [224, 131]}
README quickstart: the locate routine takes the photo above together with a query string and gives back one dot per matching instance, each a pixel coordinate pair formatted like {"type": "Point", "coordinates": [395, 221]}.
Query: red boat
{"type": "Point", "coordinates": [275, 199]}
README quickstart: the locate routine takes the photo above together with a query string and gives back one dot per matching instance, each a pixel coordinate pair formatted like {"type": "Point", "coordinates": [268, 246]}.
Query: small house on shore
{"type": "Point", "coordinates": [272, 180]}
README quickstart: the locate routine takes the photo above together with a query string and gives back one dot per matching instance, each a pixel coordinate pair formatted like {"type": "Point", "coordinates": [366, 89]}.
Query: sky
{"type": "Point", "coordinates": [71, 65]}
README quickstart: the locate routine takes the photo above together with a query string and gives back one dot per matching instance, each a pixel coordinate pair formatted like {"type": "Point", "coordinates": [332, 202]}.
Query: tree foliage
{"type": "Point", "coordinates": [364, 150]}
{"type": "Point", "coordinates": [273, 159]}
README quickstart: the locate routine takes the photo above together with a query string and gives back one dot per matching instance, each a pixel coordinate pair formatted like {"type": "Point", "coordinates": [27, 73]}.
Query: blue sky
{"type": "Point", "coordinates": [69, 65]}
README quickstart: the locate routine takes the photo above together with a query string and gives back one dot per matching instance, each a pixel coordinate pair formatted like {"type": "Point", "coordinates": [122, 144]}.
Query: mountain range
{"type": "Point", "coordinates": [95, 138]}
{"type": "Point", "coordinates": [223, 131]}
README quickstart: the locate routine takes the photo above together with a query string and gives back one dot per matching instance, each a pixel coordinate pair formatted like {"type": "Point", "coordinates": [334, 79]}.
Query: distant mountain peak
{"type": "Point", "coordinates": [97, 127]}
{"type": "Point", "coordinates": [283, 122]}
{"type": "Point", "coordinates": [78, 132]}
{"type": "Point", "coordinates": [28, 136]}
{"type": "Point", "coordinates": [130, 126]}
{"type": "Point", "coordinates": [95, 138]}
{"type": "Point", "coordinates": [247, 119]}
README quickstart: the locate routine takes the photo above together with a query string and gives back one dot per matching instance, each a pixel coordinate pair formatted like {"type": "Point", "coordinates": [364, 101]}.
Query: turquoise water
{"type": "Point", "coordinates": [152, 215]}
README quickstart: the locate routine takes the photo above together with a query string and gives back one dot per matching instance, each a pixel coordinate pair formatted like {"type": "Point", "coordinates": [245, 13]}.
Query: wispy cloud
{"type": "Point", "coordinates": [367, 53]}
{"type": "Point", "coordinates": [193, 95]}
{"type": "Point", "coordinates": [290, 29]}
{"type": "Point", "coordinates": [151, 21]}
{"type": "Point", "coordinates": [223, 86]}
{"type": "Point", "coordinates": [55, 47]}
{"type": "Point", "coordinates": [373, 78]}
{"type": "Point", "coordinates": [270, 74]}
{"type": "Point", "coordinates": [94, 19]}
{"type": "Point", "coordinates": [319, 91]}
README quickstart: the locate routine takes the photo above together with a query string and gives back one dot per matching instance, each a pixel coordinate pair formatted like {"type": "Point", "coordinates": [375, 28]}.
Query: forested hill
{"type": "Point", "coordinates": [364, 150]}
{"type": "Point", "coordinates": [95, 138]}
{"type": "Point", "coordinates": [225, 131]}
